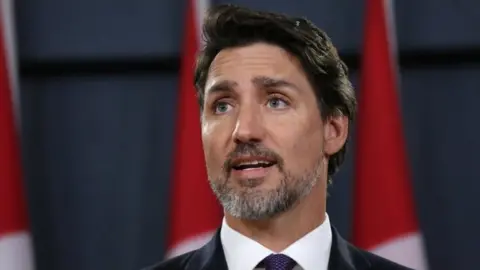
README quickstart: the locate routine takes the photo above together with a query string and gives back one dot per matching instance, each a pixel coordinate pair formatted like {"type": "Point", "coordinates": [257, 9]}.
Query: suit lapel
{"type": "Point", "coordinates": [341, 257]}
{"type": "Point", "coordinates": [210, 256]}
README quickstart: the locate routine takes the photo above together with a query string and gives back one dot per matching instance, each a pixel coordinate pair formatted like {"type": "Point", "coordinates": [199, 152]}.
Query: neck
{"type": "Point", "coordinates": [281, 231]}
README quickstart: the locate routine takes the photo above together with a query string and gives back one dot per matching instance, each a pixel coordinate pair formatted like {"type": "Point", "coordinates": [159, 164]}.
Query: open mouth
{"type": "Point", "coordinates": [252, 163]}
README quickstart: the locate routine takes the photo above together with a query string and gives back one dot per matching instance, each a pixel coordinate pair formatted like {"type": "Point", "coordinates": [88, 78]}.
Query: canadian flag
{"type": "Point", "coordinates": [15, 243]}
{"type": "Point", "coordinates": [194, 211]}
{"type": "Point", "coordinates": [384, 212]}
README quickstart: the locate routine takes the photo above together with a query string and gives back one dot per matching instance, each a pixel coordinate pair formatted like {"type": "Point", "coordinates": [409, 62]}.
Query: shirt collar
{"type": "Point", "coordinates": [311, 251]}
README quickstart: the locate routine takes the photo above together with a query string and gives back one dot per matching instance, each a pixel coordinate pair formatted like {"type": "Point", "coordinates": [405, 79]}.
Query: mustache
{"type": "Point", "coordinates": [252, 149]}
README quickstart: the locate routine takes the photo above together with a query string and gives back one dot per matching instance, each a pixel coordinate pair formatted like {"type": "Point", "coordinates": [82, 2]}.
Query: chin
{"type": "Point", "coordinates": [266, 182]}
{"type": "Point", "coordinates": [250, 182]}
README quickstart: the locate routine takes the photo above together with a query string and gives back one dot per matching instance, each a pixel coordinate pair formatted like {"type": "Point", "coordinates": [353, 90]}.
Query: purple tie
{"type": "Point", "coordinates": [279, 262]}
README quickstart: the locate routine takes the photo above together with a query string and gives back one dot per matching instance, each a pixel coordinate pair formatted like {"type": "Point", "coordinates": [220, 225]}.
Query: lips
{"type": "Point", "coordinates": [245, 163]}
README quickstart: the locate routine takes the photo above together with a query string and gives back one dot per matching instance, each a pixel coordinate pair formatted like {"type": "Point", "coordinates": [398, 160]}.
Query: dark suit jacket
{"type": "Point", "coordinates": [343, 256]}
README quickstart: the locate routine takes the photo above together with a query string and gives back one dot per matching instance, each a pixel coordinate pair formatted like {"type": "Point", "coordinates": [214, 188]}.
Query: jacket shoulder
{"type": "Point", "coordinates": [176, 263]}
{"type": "Point", "coordinates": [379, 263]}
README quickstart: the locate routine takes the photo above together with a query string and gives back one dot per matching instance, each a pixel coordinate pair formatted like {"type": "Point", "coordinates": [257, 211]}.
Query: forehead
{"type": "Point", "coordinates": [260, 59]}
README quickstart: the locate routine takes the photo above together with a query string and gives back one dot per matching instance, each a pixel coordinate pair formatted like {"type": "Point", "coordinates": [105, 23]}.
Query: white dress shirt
{"type": "Point", "coordinates": [311, 252]}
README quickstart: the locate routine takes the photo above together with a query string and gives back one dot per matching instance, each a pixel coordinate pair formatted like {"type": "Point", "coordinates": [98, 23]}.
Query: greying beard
{"type": "Point", "coordinates": [250, 203]}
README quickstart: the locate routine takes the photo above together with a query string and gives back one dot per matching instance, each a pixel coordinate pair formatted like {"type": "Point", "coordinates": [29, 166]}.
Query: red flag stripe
{"type": "Point", "coordinates": [12, 201]}
{"type": "Point", "coordinates": [15, 244]}
{"type": "Point", "coordinates": [384, 206]}
{"type": "Point", "coordinates": [194, 209]}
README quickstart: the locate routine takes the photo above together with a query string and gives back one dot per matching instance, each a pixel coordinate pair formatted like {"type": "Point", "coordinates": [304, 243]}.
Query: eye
{"type": "Point", "coordinates": [277, 103]}
{"type": "Point", "coordinates": [221, 107]}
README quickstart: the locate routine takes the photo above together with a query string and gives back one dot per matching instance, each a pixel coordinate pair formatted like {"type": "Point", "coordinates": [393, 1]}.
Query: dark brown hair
{"type": "Point", "coordinates": [228, 26]}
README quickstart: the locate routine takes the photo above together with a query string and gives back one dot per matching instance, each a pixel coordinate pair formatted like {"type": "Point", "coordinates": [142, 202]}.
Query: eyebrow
{"type": "Point", "coordinates": [222, 86]}
{"type": "Point", "coordinates": [263, 82]}
{"type": "Point", "coordinates": [268, 82]}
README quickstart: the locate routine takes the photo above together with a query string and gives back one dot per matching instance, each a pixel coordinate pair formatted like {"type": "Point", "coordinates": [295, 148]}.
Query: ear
{"type": "Point", "coordinates": [335, 134]}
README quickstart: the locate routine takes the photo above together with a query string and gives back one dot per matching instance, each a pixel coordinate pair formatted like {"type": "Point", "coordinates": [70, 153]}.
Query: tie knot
{"type": "Point", "coordinates": [278, 262]}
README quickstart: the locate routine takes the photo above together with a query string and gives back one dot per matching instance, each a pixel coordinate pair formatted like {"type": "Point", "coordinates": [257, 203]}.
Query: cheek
{"type": "Point", "coordinates": [208, 141]}
{"type": "Point", "coordinates": [299, 143]}
{"type": "Point", "coordinates": [307, 150]}
{"type": "Point", "coordinates": [214, 142]}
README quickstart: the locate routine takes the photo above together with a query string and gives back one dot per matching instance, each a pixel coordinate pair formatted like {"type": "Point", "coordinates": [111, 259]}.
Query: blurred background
{"type": "Point", "coordinates": [99, 83]}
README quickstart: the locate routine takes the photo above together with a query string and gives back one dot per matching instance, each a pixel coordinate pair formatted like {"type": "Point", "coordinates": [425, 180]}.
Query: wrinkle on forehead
{"type": "Point", "coordinates": [268, 60]}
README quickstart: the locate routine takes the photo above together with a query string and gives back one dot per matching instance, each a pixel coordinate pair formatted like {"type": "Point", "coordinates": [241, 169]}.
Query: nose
{"type": "Point", "coordinates": [249, 126]}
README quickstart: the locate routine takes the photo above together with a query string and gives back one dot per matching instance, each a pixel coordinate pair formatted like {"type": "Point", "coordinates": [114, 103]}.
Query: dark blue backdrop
{"type": "Point", "coordinates": [97, 139]}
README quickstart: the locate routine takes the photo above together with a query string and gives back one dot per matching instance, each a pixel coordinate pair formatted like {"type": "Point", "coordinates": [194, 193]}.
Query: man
{"type": "Point", "coordinates": [276, 106]}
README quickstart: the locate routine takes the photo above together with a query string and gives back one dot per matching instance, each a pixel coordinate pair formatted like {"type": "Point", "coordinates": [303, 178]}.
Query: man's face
{"type": "Point", "coordinates": [264, 139]}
